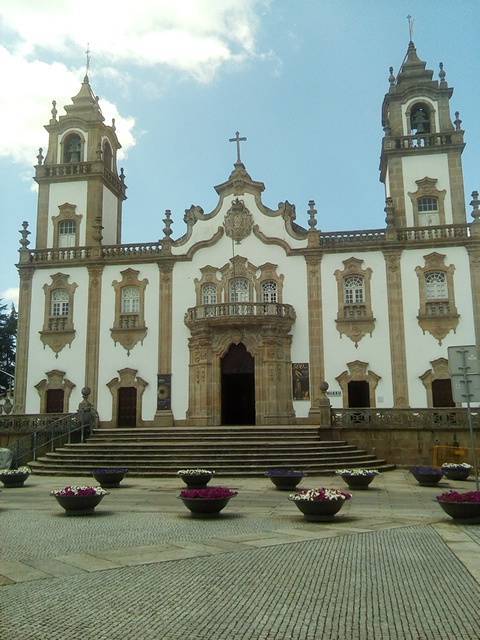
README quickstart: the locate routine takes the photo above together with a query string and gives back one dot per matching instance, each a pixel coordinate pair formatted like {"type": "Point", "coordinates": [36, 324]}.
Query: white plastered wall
{"type": "Point", "coordinates": [109, 216]}
{"type": "Point", "coordinates": [420, 348]}
{"type": "Point", "coordinates": [71, 359]}
{"type": "Point", "coordinates": [294, 290]}
{"type": "Point", "coordinates": [143, 357]}
{"type": "Point", "coordinates": [431, 166]}
{"type": "Point", "coordinates": [375, 349]}
{"type": "Point", "coordinates": [74, 192]}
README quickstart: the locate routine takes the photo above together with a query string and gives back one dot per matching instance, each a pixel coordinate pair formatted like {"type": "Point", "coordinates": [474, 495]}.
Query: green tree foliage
{"type": "Point", "coordinates": [8, 339]}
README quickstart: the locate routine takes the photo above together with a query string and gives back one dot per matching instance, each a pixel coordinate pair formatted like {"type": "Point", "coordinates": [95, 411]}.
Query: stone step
{"type": "Point", "coordinates": [71, 453]}
{"type": "Point", "coordinates": [229, 445]}
{"type": "Point", "coordinates": [39, 467]}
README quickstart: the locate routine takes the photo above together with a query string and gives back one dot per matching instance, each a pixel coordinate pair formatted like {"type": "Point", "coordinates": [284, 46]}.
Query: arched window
{"type": "Point", "coordinates": [209, 294]}
{"type": "Point", "coordinates": [427, 204]}
{"type": "Point", "coordinates": [60, 303]}
{"type": "Point", "coordinates": [354, 290]}
{"type": "Point", "coordinates": [130, 300]}
{"type": "Point", "coordinates": [269, 291]}
{"type": "Point", "coordinates": [72, 148]}
{"type": "Point", "coordinates": [420, 119]}
{"type": "Point", "coordinates": [239, 290]}
{"type": "Point", "coordinates": [107, 154]}
{"type": "Point", "coordinates": [67, 233]}
{"type": "Point", "coordinates": [436, 287]}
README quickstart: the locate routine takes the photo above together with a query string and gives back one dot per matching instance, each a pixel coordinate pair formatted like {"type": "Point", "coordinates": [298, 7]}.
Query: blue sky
{"type": "Point", "coordinates": [303, 80]}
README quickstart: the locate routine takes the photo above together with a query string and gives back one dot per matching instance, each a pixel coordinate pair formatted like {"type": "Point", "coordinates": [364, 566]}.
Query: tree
{"type": "Point", "coordinates": [8, 340]}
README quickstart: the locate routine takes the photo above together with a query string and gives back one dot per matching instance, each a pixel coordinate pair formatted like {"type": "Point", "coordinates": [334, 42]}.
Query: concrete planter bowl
{"type": "Point", "coordinates": [79, 505]}
{"type": "Point", "coordinates": [285, 479]}
{"type": "Point", "coordinates": [427, 476]}
{"type": "Point", "coordinates": [315, 511]}
{"type": "Point", "coordinates": [357, 482]}
{"type": "Point", "coordinates": [197, 481]}
{"type": "Point", "coordinates": [456, 474]}
{"type": "Point", "coordinates": [14, 480]}
{"type": "Point", "coordinates": [462, 507]}
{"type": "Point", "coordinates": [109, 478]}
{"type": "Point", "coordinates": [206, 502]}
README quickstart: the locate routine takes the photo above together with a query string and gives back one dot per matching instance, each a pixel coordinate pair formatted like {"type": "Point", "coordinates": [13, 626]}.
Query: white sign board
{"type": "Point", "coordinates": [334, 394]}
{"type": "Point", "coordinates": [455, 360]}
{"type": "Point", "coordinates": [459, 388]}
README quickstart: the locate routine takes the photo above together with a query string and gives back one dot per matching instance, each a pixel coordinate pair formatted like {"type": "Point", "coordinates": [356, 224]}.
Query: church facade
{"type": "Point", "coordinates": [249, 318]}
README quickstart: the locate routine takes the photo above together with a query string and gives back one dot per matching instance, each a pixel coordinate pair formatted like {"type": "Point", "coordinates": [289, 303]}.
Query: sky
{"type": "Point", "coordinates": [303, 80]}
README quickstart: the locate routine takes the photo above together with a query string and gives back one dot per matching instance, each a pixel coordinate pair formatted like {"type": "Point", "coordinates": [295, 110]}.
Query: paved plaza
{"type": "Point", "coordinates": [389, 567]}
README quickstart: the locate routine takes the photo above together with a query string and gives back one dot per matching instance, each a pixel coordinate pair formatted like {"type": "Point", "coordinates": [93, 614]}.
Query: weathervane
{"type": "Point", "coordinates": [237, 139]}
{"type": "Point", "coordinates": [410, 26]}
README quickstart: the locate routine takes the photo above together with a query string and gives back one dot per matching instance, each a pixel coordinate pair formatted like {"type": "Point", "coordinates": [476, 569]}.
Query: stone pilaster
{"type": "Point", "coordinates": [164, 417]}
{"type": "Point", "coordinates": [317, 412]}
{"type": "Point", "coordinates": [92, 352]}
{"type": "Point", "coordinates": [474, 258]}
{"type": "Point", "coordinates": [398, 356]}
{"type": "Point", "coordinates": [23, 338]}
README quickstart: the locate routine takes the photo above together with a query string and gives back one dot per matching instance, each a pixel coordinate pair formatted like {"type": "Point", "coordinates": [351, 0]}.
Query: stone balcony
{"type": "Point", "coordinates": [81, 171]}
{"type": "Point", "coordinates": [240, 313]}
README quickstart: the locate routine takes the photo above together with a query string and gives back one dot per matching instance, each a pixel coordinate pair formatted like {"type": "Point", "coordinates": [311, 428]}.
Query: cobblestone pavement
{"type": "Point", "coordinates": [391, 568]}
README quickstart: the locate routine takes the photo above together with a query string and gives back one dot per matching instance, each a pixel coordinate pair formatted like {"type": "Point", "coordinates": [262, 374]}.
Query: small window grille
{"type": "Point", "coordinates": [130, 300]}
{"type": "Point", "coordinates": [239, 290]}
{"type": "Point", "coordinates": [60, 303]}
{"type": "Point", "coordinates": [209, 294]}
{"type": "Point", "coordinates": [354, 290]}
{"type": "Point", "coordinates": [269, 291]}
{"type": "Point", "coordinates": [436, 287]}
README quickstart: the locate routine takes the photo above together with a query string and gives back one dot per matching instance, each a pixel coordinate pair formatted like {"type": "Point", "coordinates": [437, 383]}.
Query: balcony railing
{"type": "Point", "coordinates": [433, 232]}
{"type": "Point", "coordinates": [80, 169]}
{"type": "Point", "coordinates": [240, 310]}
{"type": "Point", "coordinates": [422, 141]}
{"type": "Point", "coordinates": [436, 418]}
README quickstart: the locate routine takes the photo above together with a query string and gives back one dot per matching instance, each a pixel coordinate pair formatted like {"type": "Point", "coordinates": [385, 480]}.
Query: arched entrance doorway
{"type": "Point", "coordinates": [238, 386]}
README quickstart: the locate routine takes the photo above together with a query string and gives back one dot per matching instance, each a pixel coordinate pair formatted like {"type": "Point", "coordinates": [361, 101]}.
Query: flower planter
{"type": "Point", "coordinates": [285, 479]}
{"type": "Point", "coordinates": [109, 478]}
{"type": "Point", "coordinates": [457, 474]}
{"type": "Point", "coordinates": [79, 505]}
{"type": "Point", "coordinates": [427, 476]}
{"type": "Point", "coordinates": [13, 480]}
{"type": "Point", "coordinates": [206, 502]}
{"type": "Point", "coordinates": [358, 482]}
{"type": "Point", "coordinates": [321, 504]}
{"type": "Point", "coordinates": [461, 511]}
{"type": "Point", "coordinates": [195, 478]}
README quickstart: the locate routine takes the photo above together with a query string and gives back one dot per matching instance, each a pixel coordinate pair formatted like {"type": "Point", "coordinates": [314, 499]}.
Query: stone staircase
{"type": "Point", "coordinates": [230, 451]}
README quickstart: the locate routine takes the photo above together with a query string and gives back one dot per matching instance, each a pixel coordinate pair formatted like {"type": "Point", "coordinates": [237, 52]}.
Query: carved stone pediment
{"type": "Point", "coordinates": [238, 221]}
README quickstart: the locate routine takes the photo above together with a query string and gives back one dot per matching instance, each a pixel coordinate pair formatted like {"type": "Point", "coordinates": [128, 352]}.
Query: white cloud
{"type": "Point", "coordinates": [25, 107]}
{"type": "Point", "coordinates": [196, 36]}
{"type": "Point", "coordinates": [10, 295]}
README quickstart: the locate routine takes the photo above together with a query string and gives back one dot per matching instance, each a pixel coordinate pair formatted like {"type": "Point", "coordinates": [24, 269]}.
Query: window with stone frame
{"type": "Point", "coordinates": [72, 148]}
{"type": "Point", "coordinates": [354, 316]}
{"type": "Point", "coordinates": [269, 291]}
{"type": "Point", "coordinates": [209, 293]}
{"type": "Point", "coordinates": [437, 314]}
{"type": "Point", "coordinates": [428, 203]}
{"type": "Point", "coordinates": [129, 322]}
{"type": "Point", "coordinates": [58, 329]}
{"type": "Point", "coordinates": [67, 233]}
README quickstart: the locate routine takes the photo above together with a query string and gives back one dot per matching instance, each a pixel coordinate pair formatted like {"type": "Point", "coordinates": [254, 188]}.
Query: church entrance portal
{"type": "Point", "coordinates": [127, 407]}
{"type": "Point", "coordinates": [238, 386]}
{"type": "Point", "coordinates": [358, 394]}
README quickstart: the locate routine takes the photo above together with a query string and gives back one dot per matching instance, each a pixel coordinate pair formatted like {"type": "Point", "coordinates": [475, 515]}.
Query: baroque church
{"type": "Point", "coordinates": [248, 317]}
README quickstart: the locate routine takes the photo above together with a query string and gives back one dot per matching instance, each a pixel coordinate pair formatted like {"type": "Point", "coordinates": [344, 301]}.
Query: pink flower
{"type": "Point", "coordinates": [456, 496]}
{"type": "Point", "coordinates": [208, 493]}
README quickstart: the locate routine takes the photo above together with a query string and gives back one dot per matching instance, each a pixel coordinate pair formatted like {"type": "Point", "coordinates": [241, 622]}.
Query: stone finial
{"type": "Point", "coordinates": [24, 232]}
{"type": "Point", "coordinates": [391, 79]}
{"type": "Point", "coordinates": [40, 157]}
{"type": "Point", "coordinates": [122, 176]}
{"type": "Point", "coordinates": [86, 391]}
{"type": "Point", "coordinates": [54, 110]}
{"type": "Point", "coordinates": [99, 151]}
{"type": "Point", "coordinates": [312, 215]}
{"type": "Point", "coordinates": [457, 122]}
{"type": "Point", "coordinates": [442, 75]}
{"type": "Point", "coordinates": [167, 230]}
{"type": "Point", "coordinates": [475, 204]}
{"type": "Point", "coordinates": [389, 213]}
{"type": "Point", "coordinates": [113, 124]}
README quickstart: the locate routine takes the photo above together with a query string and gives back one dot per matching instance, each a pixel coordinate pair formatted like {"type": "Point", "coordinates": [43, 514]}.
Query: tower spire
{"type": "Point", "coordinates": [87, 65]}
{"type": "Point", "coordinates": [411, 22]}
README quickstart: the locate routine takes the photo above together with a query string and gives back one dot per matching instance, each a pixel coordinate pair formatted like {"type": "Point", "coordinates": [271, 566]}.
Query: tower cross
{"type": "Point", "coordinates": [410, 26]}
{"type": "Point", "coordinates": [237, 139]}
{"type": "Point", "coordinates": [87, 53]}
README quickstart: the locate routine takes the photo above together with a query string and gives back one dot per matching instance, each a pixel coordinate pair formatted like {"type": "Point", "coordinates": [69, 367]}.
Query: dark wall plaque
{"type": "Point", "coordinates": [164, 391]}
{"type": "Point", "coordinates": [300, 381]}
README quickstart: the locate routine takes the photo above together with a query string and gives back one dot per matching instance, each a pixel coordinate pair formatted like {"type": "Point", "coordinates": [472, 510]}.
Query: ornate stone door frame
{"type": "Point", "coordinates": [269, 344]}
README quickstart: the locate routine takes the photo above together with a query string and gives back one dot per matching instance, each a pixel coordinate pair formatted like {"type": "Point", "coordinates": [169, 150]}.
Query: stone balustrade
{"type": "Point", "coordinates": [239, 310]}
{"type": "Point", "coordinates": [80, 170]}
{"type": "Point", "coordinates": [422, 141]}
{"type": "Point", "coordinates": [436, 418]}
{"type": "Point", "coordinates": [433, 233]}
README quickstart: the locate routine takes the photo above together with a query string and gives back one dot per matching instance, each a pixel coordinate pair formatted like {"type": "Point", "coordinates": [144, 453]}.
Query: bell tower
{"type": "Point", "coordinates": [420, 161]}
{"type": "Point", "coordinates": [80, 192]}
